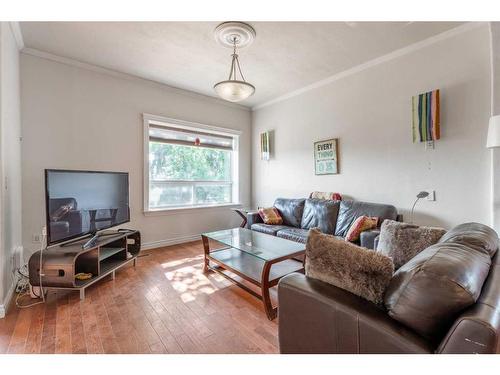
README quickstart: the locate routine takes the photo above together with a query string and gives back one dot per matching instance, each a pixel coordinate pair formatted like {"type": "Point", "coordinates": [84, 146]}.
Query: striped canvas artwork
{"type": "Point", "coordinates": [265, 151]}
{"type": "Point", "coordinates": [425, 111]}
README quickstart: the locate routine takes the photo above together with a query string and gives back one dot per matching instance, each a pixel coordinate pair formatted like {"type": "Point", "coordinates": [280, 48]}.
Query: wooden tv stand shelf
{"type": "Point", "coordinates": [60, 264]}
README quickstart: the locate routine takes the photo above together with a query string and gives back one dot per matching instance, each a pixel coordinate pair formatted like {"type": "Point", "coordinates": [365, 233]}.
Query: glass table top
{"type": "Point", "coordinates": [260, 245]}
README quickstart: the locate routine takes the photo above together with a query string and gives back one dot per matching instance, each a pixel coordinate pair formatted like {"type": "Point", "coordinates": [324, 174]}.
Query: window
{"type": "Point", "coordinates": [189, 165]}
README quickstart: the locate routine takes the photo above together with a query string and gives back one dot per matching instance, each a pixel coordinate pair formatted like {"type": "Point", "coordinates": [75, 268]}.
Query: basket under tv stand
{"type": "Point", "coordinates": [60, 264]}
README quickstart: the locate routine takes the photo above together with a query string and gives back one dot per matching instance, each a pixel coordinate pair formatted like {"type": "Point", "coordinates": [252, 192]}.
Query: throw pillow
{"type": "Point", "coordinates": [359, 225]}
{"type": "Point", "coordinates": [325, 195]}
{"type": "Point", "coordinates": [402, 241]}
{"type": "Point", "coordinates": [347, 266]}
{"type": "Point", "coordinates": [270, 216]}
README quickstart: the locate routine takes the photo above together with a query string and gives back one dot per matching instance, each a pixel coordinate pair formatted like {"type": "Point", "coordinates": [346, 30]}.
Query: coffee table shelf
{"type": "Point", "coordinates": [241, 263]}
{"type": "Point", "coordinates": [258, 258]}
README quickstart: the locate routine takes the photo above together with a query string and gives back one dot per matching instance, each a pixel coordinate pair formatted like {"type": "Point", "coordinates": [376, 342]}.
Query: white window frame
{"type": "Point", "coordinates": [149, 119]}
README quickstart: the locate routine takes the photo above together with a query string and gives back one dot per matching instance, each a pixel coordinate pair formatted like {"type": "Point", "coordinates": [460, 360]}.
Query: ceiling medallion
{"type": "Point", "coordinates": [234, 35]}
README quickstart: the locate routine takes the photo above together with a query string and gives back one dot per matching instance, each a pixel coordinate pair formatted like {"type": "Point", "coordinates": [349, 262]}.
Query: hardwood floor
{"type": "Point", "coordinates": [164, 305]}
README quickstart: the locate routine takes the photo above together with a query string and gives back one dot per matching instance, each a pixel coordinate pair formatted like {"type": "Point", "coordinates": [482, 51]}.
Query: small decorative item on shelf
{"type": "Point", "coordinates": [265, 145]}
{"type": "Point", "coordinates": [197, 142]}
{"type": "Point", "coordinates": [326, 157]}
{"type": "Point", "coordinates": [83, 276]}
{"type": "Point", "coordinates": [425, 114]}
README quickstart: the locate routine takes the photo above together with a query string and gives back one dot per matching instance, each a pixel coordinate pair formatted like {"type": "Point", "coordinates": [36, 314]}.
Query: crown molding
{"type": "Point", "coordinates": [18, 35]}
{"type": "Point", "coordinates": [377, 61]}
{"type": "Point", "coordinates": [127, 76]}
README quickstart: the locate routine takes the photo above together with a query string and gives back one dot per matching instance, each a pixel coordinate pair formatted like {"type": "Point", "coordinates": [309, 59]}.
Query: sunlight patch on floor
{"type": "Point", "coordinates": [179, 262]}
{"type": "Point", "coordinates": [189, 281]}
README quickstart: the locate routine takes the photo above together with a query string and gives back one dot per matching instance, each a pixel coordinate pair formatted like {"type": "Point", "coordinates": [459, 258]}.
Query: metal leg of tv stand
{"type": "Point", "coordinates": [82, 294]}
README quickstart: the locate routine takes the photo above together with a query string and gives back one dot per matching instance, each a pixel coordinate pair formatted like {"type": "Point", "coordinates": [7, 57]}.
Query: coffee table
{"type": "Point", "coordinates": [258, 258]}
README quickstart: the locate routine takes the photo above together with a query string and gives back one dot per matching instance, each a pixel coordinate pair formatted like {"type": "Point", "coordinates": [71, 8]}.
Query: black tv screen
{"type": "Point", "coordinates": [84, 202]}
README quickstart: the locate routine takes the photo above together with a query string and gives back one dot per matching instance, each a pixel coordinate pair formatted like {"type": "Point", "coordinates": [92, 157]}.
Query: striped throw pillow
{"type": "Point", "coordinates": [359, 225]}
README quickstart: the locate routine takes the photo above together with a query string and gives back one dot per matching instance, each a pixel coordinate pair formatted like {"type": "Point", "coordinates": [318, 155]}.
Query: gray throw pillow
{"type": "Point", "coordinates": [402, 241]}
{"type": "Point", "coordinates": [347, 266]}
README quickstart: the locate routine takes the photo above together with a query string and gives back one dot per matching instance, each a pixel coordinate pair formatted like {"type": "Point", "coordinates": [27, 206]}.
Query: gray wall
{"type": "Point", "coordinates": [77, 118]}
{"type": "Point", "coordinates": [370, 112]}
{"type": "Point", "coordinates": [10, 158]}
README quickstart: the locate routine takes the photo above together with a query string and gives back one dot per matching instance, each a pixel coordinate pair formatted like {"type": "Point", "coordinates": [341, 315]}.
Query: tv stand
{"type": "Point", "coordinates": [107, 254]}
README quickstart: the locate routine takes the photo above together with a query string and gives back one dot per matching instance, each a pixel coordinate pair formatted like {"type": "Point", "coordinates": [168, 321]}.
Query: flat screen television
{"type": "Point", "coordinates": [80, 203]}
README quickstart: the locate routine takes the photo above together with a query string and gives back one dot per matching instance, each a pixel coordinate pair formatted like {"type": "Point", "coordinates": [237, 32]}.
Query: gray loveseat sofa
{"type": "Point", "coordinates": [332, 217]}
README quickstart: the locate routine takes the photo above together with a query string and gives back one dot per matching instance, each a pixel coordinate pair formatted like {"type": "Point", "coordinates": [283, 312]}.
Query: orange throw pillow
{"type": "Point", "coordinates": [270, 216]}
{"type": "Point", "coordinates": [359, 225]}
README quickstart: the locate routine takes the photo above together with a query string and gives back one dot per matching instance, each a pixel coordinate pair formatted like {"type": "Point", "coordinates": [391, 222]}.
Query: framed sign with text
{"type": "Point", "coordinates": [326, 157]}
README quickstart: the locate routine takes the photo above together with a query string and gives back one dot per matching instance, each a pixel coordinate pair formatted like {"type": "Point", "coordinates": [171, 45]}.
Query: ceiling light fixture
{"type": "Point", "coordinates": [234, 35]}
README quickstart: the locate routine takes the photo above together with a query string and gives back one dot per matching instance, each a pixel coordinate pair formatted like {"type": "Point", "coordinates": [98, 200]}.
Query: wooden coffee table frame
{"type": "Point", "coordinates": [266, 280]}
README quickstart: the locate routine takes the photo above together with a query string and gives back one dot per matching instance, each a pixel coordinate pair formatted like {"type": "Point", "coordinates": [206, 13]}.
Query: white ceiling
{"type": "Point", "coordinates": [286, 56]}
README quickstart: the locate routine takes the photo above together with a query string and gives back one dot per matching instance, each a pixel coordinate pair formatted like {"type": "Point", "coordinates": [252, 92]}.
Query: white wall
{"type": "Point", "coordinates": [10, 158]}
{"type": "Point", "coordinates": [76, 118]}
{"type": "Point", "coordinates": [495, 110]}
{"type": "Point", "coordinates": [370, 113]}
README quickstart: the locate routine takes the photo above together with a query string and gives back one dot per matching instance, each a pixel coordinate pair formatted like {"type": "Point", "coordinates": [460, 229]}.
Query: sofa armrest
{"type": "Point", "coordinates": [253, 217]}
{"type": "Point", "coordinates": [316, 317]}
{"type": "Point", "coordinates": [369, 238]}
{"type": "Point", "coordinates": [477, 328]}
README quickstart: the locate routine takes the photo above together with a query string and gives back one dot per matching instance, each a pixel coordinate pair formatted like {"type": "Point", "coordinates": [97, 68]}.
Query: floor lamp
{"type": "Point", "coordinates": [422, 194]}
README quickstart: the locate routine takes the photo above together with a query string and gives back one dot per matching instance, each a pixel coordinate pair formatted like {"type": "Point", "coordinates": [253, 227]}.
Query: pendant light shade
{"type": "Point", "coordinates": [233, 34]}
{"type": "Point", "coordinates": [233, 90]}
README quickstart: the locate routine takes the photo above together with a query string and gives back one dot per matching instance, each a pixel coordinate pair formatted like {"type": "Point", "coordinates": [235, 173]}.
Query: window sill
{"type": "Point", "coordinates": [190, 209]}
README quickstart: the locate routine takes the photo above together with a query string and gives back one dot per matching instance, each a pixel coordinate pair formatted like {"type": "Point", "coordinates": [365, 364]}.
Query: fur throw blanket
{"type": "Point", "coordinates": [358, 270]}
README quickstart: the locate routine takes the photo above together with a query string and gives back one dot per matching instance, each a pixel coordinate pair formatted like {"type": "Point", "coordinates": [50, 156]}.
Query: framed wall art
{"type": "Point", "coordinates": [265, 145]}
{"type": "Point", "coordinates": [326, 157]}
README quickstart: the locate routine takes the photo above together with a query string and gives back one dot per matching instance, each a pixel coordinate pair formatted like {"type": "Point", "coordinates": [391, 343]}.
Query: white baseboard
{"type": "Point", "coordinates": [170, 242]}
{"type": "Point", "coordinates": [6, 301]}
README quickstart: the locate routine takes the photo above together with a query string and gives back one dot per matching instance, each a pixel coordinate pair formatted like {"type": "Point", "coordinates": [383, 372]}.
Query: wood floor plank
{"type": "Point", "coordinates": [164, 305]}
{"type": "Point", "coordinates": [90, 329]}
{"type": "Point", "coordinates": [20, 335]}
{"type": "Point", "coordinates": [48, 342]}
{"type": "Point", "coordinates": [63, 326]}
{"type": "Point", "coordinates": [7, 326]}
{"type": "Point", "coordinates": [34, 340]}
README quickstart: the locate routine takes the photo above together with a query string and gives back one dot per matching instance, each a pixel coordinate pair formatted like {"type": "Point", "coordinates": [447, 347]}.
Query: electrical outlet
{"type": "Point", "coordinates": [431, 196]}
{"type": "Point", "coordinates": [35, 238]}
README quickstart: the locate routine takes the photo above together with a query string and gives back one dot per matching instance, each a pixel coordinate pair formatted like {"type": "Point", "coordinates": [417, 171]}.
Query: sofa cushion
{"type": "Point", "coordinates": [291, 210]}
{"type": "Point", "coordinates": [320, 213]}
{"type": "Point", "coordinates": [351, 210]}
{"type": "Point", "coordinates": [294, 234]}
{"type": "Point", "coordinates": [475, 235]}
{"type": "Point", "coordinates": [347, 266]}
{"type": "Point", "coordinates": [402, 241]}
{"type": "Point", "coordinates": [369, 238]}
{"type": "Point", "coordinates": [427, 293]}
{"type": "Point", "coordinates": [267, 228]}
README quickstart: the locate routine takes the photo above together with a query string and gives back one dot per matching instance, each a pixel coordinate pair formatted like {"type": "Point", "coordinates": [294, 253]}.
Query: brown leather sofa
{"type": "Point", "coordinates": [444, 300]}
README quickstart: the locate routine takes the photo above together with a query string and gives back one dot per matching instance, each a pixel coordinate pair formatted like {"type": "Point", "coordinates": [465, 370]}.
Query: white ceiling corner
{"type": "Point", "coordinates": [18, 35]}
